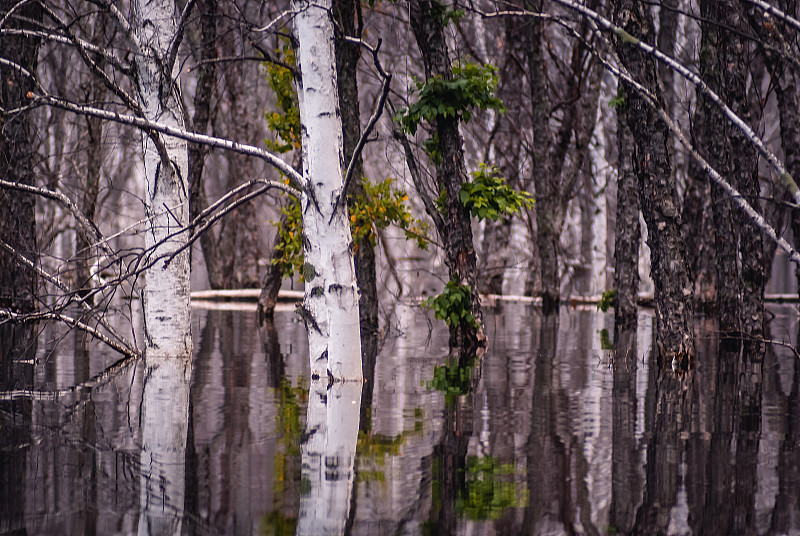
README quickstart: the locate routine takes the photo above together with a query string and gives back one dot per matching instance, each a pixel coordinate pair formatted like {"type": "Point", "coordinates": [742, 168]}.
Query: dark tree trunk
{"type": "Point", "coordinates": [724, 63]}
{"type": "Point", "coordinates": [90, 190]}
{"type": "Point", "coordinates": [555, 186]}
{"type": "Point", "coordinates": [667, 37]}
{"type": "Point", "coordinates": [18, 284]}
{"type": "Point", "coordinates": [548, 216]}
{"type": "Point", "coordinates": [698, 224]}
{"type": "Point", "coordinates": [456, 233]}
{"type": "Point", "coordinates": [657, 191]}
{"type": "Point", "coordinates": [347, 16]}
{"type": "Point", "coordinates": [507, 144]}
{"type": "Point", "coordinates": [271, 284]}
{"type": "Point", "coordinates": [628, 234]}
{"type": "Point", "coordinates": [787, 91]}
{"type": "Point", "coordinates": [204, 91]}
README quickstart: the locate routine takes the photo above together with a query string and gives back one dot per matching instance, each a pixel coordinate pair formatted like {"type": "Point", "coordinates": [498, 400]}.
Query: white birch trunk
{"type": "Point", "coordinates": [166, 292]}
{"type": "Point", "coordinates": [331, 294]}
{"type": "Point", "coordinates": [328, 458]}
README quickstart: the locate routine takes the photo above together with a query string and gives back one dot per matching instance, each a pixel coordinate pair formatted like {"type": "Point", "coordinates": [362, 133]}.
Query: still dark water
{"type": "Point", "coordinates": [559, 429]}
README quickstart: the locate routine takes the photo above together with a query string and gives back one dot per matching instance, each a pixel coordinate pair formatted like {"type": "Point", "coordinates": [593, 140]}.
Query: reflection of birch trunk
{"type": "Point", "coordinates": [329, 453]}
{"type": "Point", "coordinates": [164, 418]}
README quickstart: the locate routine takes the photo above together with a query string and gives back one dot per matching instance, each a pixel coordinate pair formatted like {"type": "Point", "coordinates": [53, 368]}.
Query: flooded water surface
{"type": "Point", "coordinates": [558, 429]}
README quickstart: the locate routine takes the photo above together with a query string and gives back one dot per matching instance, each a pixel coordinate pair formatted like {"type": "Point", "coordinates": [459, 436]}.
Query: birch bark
{"type": "Point", "coordinates": [330, 308]}
{"type": "Point", "coordinates": [155, 29]}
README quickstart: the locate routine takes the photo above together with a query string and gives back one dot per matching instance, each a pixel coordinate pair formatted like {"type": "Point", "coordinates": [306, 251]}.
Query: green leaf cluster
{"type": "Point", "coordinates": [289, 241]}
{"type": "Point", "coordinates": [453, 305]}
{"type": "Point", "coordinates": [284, 121]}
{"type": "Point", "coordinates": [380, 206]}
{"type": "Point", "coordinates": [488, 195]}
{"type": "Point", "coordinates": [607, 300]}
{"type": "Point", "coordinates": [472, 86]}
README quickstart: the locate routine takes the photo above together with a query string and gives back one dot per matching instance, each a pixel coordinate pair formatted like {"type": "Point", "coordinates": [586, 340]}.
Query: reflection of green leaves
{"type": "Point", "coordinates": [276, 524]}
{"type": "Point", "coordinates": [605, 340]}
{"type": "Point", "coordinates": [453, 305]}
{"type": "Point", "coordinates": [453, 379]}
{"type": "Point", "coordinates": [471, 87]}
{"type": "Point", "coordinates": [489, 489]}
{"type": "Point", "coordinates": [488, 195]}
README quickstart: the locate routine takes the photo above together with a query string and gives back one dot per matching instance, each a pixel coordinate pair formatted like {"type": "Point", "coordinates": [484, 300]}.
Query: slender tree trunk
{"type": "Point", "coordinates": [667, 37]}
{"type": "Point", "coordinates": [90, 190]}
{"type": "Point", "coordinates": [166, 293]}
{"type": "Point", "coordinates": [548, 217]}
{"type": "Point", "coordinates": [496, 253]}
{"type": "Point", "coordinates": [330, 307]}
{"type": "Point", "coordinates": [698, 225]}
{"type": "Point", "coordinates": [451, 175]}
{"type": "Point", "coordinates": [347, 14]}
{"type": "Point", "coordinates": [657, 192]}
{"type": "Point", "coordinates": [204, 92]}
{"type": "Point", "coordinates": [628, 235]}
{"type": "Point", "coordinates": [18, 284]}
{"type": "Point", "coordinates": [724, 64]}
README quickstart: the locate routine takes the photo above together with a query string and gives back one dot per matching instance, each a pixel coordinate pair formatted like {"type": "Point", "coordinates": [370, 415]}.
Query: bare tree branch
{"type": "Point", "coordinates": [145, 124]}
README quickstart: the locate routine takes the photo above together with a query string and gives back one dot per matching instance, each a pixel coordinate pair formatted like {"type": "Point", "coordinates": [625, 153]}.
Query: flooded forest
{"type": "Point", "coordinates": [408, 267]}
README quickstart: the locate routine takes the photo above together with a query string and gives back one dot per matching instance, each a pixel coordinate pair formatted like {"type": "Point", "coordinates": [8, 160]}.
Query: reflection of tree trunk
{"type": "Point", "coordinates": [785, 515]}
{"type": "Point", "coordinates": [164, 421]}
{"type": "Point", "coordinates": [626, 485]}
{"type": "Point", "coordinates": [17, 343]}
{"type": "Point", "coordinates": [275, 366]}
{"type": "Point", "coordinates": [549, 459]}
{"type": "Point", "coordinates": [329, 456]}
{"type": "Point", "coordinates": [664, 415]}
{"type": "Point", "coordinates": [660, 203]}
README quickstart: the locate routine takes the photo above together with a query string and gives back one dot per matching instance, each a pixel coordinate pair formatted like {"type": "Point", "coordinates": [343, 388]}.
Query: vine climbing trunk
{"type": "Point", "coordinates": [451, 174]}
{"type": "Point", "coordinates": [330, 308]}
